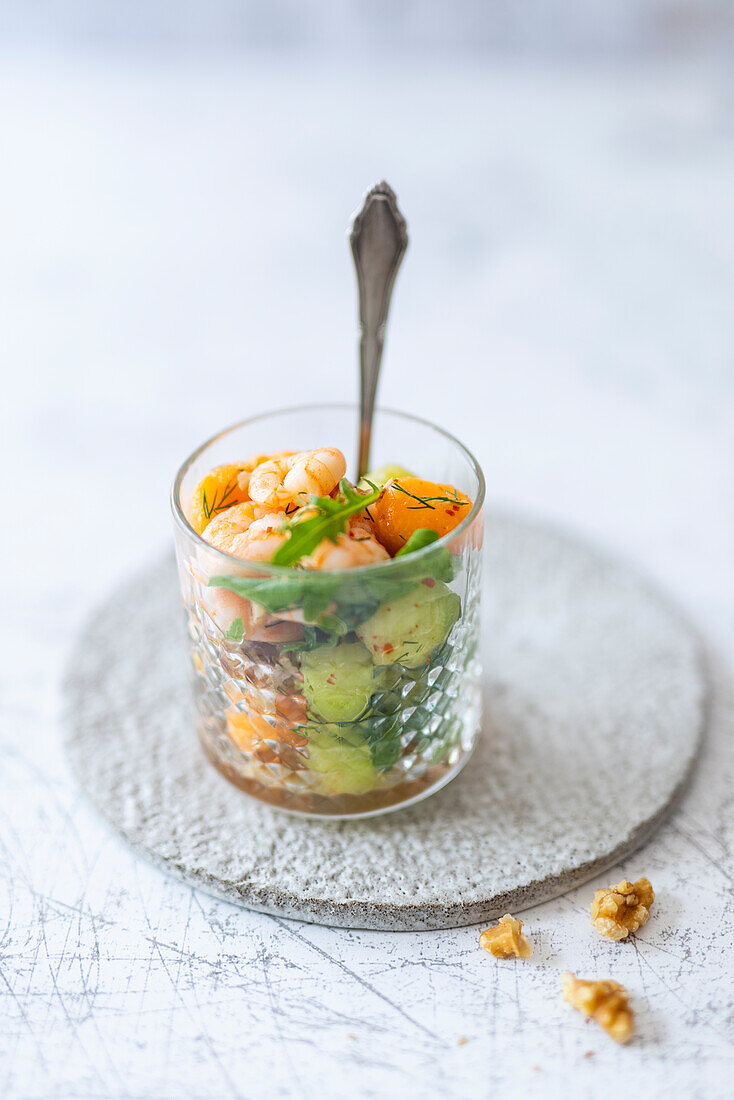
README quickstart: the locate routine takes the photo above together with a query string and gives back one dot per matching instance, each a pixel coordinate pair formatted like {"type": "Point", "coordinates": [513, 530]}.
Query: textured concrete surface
{"type": "Point", "coordinates": [587, 671]}
{"type": "Point", "coordinates": [570, 319]}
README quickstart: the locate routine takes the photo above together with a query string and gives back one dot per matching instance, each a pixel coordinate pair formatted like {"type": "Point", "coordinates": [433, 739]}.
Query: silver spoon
{"type": "Point", "coordinates": [379, 239]}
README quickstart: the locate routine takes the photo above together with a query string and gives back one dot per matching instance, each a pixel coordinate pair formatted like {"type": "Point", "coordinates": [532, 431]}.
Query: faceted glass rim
{"type": "Point", "coordinates": [267, 568]}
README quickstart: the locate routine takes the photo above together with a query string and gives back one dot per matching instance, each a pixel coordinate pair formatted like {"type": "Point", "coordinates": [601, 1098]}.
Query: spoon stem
{"type": "Point", "coordinates": [379, 239]}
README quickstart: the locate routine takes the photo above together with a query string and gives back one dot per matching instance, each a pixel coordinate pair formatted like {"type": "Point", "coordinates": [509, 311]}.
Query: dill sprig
{"type": "Point", "coordinates": [219, 504]}
{"type": "Point", "coordinates": [425, 502]}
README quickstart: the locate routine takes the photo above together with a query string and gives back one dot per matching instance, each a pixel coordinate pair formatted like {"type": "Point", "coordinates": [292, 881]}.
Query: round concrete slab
{"type": "Point", "coordinates": [595, 703]}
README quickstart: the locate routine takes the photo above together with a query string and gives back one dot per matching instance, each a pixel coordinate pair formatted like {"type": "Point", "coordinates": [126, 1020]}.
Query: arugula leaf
{"type": "Point", "coordinates": [338, 602]}
{"type": "Point", "coordinates": [424, 536]}
{"type": "Point", "coordinates": [235, 632]}
{"type": "Point", "coordinates": [317, 597]}
{"type": "Point", "coordinates": [313, 592]}
{"type": "Point", "coordinates": [272, 593]}
{"type": "Point", "coordinates": [329, 522]}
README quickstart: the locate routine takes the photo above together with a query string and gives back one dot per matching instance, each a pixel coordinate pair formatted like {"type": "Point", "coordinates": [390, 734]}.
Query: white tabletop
{"type": "Point", "coordinates": [172, 259]}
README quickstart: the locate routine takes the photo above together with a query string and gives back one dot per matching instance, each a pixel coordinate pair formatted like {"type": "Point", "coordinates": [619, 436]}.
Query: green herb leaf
{"type": "Point", "coordinates": [425, 502]}
{"type": "Point", "coordinates": [329, 522]}
{"type": "Point", "coordinates": [219, 503]}
{"type": "Point", "coordinates": [235, 632]}
{"type": "Point", "coordinates": [337, 602]}
{"type": "Point", "coordinates": [424, 536]}
{"type": "Point", "coordinates": [317, 599]}
{"type": "Point", "coordinates": [304, 588]}
{"type": "Point", "coordinates": [354, 598]}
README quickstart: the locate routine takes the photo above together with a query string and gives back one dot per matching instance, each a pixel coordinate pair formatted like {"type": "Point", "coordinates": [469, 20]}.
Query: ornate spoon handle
{"type": "Point", "coordinates": [379, 239]}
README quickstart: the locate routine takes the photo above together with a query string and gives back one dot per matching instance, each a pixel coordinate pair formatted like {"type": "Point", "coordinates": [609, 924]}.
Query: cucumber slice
{"type": "Point", "coordinates": [382, 474]}
{"type": "Point", "coordinates": [338, 681]}
{"type": "Point", "coordinates": [343, 760]}
{"type": "Point", "coordinates": [408, 629]}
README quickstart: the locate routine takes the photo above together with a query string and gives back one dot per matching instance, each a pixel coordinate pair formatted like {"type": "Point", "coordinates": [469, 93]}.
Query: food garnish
{"type": "Point", "coordinates": [325, 518]}
{"type": "Point", "coordinates": [424, 536]}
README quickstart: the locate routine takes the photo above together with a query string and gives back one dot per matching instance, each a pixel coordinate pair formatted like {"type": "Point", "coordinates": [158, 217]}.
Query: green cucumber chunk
{"type": "Point", "coordinates": [382, 474]}
{"type": "Point", "coordinates": [408, 629]}
{"type": "Point", "coordinates": [343, 759]}
{"type": "Point", "coordinates": [338, 681]}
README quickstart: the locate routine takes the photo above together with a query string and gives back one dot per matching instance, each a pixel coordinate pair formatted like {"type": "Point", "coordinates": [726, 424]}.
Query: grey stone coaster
{"type": "Point", "coordinates": [595, 698]}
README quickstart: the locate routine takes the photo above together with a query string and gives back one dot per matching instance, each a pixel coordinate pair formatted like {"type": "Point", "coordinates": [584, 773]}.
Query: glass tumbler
{"type": "Point", "coordinates": [344, 693]}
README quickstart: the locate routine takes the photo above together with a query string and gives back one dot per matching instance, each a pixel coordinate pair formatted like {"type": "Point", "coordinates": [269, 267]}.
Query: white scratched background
{"type": "Point", "coordinates": [175, 184]}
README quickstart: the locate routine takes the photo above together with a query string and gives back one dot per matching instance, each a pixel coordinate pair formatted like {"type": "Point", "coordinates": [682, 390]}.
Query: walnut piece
{"type": "Point", "coordinates": [506, 939]}
{"type": "Point", "coordinates": [607, 1002]}
{"type": "Point", "coordinates": [621, 909]}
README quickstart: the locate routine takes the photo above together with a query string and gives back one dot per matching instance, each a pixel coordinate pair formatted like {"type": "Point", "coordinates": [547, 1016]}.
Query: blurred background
{"type": "Point", "coordinates": [177, 180]}
{"type": "Point", "coordinates": [543, 27]}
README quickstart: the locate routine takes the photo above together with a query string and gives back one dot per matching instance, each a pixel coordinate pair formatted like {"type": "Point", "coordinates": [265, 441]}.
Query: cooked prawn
{"type": "Point", "coordinates": [224, 607]}
{"type": "Point", "coordinates": [295, 477]}
{"type": "Point", "coordinates": [243, 478]}
{"type": "Point", "coordinates": [250, 532]}
{"type": "Point", "coordinates": [263, 537]}
{"type": "Point", "coordinates": [223, 487]}
{"type": "Point", "coordinates": [243, 526]}
{"type": "Point", "coordinates": [357, 546]}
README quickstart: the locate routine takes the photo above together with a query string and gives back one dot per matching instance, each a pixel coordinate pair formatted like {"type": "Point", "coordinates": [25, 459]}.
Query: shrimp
{"type": "Point", "coordinates": [263, 537]}
{"type": "Point", "coordinates": [356, 547]}
{"type": "Point", "coordinates": [243, 478]}
{"type": "Point", "coordinates": [281, 481]}
{"type": "Point", "coordinates": [241, 529]}
{"type": "Point", "coordinates": [223, 487]}
{"type": "Point", "coordinates": [251, 532]}
{"type": "Point", "coordinates": [225, 607]}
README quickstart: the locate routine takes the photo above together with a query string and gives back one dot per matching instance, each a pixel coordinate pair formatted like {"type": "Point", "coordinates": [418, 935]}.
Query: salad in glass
{"type": "Point", "coordinates": [333, 625]}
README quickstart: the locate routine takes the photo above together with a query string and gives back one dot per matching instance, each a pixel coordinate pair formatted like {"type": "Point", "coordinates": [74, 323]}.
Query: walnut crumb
{"type": "Point", "coordinates": [607, 1002]}
{"type": "Point", "coordinates": [506, 939]}
{"type": "Point", "coordinates": [621, 909]}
